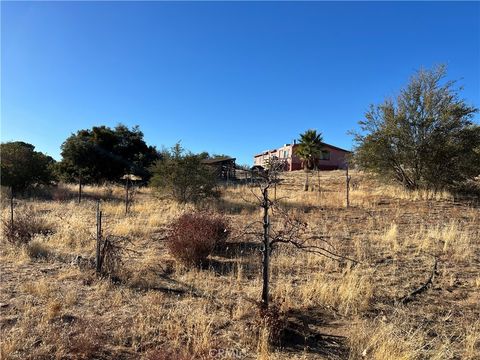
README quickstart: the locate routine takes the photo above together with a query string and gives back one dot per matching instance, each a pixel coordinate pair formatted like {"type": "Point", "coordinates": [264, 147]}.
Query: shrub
{"type": "Point", "coordinates": [25, 226]}
{"type": "Point", "coordinates": [183, 177]}
{"type": "Point", "coordinates": [193, 236]}
{"type": "Point", "coordinates": [37, 250]}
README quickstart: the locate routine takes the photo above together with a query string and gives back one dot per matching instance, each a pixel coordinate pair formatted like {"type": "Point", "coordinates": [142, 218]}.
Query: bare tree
{"type": "Point", "coordinates": [291, 230]}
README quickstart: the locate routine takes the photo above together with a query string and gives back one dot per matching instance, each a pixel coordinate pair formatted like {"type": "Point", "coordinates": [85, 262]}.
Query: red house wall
{"type": "Point", "coordinates": [293, 162]}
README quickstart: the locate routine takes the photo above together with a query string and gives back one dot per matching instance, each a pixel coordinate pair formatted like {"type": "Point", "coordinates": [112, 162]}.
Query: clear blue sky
{"type": "Point", "coordinates": [234, 78]}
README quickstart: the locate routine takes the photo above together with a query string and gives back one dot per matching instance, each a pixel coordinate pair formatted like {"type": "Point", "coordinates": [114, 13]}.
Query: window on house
{"type": "Point", "coordinates": [325, 155]}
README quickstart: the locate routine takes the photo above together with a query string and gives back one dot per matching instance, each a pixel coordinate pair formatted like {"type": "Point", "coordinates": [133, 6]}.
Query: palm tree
{"type": "Point", "coordinates": [308, 150]}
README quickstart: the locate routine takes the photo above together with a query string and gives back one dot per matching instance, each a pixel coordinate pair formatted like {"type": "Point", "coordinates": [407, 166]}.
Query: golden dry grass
{"type": "Point", "coordinates": [52, 306]}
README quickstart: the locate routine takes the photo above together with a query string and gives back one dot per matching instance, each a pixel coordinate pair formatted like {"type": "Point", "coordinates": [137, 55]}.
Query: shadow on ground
{"type": "Point", "coordinates": [308, 331]}
{"type": "Point", "coordinates": [247, 269]}
{"type": "Point", "coordinates": [232, 250]}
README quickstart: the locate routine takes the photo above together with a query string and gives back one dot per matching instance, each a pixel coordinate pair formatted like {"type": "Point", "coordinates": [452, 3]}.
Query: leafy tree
{"type": "Point", "coordinates": [206, 155]}
{"type": "Point", "coordinates": [182, 176]}
{"type": "Point", "coordinates": [219, 156]}
{"type": "Point", "coordinates": [309, 150]}
{"type": "Point", "coordinates": [22, 166]}
{"type": "Point", "coordinates": [105, 154]}
{"type": "Point", "coordinates": [423, 139]}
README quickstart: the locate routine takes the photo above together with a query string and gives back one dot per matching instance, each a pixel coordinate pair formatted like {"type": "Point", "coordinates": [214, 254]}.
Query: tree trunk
{"type": "Point", "coordinates": [266, 250]}
{"type": "Point", "coordinates": [305, 187]}
{"type": "Point", "coordinates": [318, 180]}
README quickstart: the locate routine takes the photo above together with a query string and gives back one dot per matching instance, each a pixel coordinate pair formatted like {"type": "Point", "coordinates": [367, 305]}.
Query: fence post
{"type": "Point", "coordinates": [11, 208]}
{"type": "Point", "coordinates": [126, 196]}
{"type": "Point", "coordinates": [80, 188]}
{"type": "Point", "coordinates": [275, 186]}
{"type": "Point", "coordinates": [319, 188]}
{"type": "Point", "coordinates": [98, 265]}
{"type": "Point", "coordinates": [266, 249]}
{"type": "Point", "coordinates": [348, 187]}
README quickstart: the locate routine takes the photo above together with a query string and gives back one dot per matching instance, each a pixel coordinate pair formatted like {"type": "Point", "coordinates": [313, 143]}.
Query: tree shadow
{"type": "Point", "coordinates": [62, 193]}
{"type": "Point", "coordinates": [227, 267]}
{"type": "Point", "coordinates": [165, 284]}
{"type": "Point", "coordinates": [302, 333]}
{"type": "Point", "coordinates": [220, 267]}
{"type": "Point", "coordinates": [232, 250]}
{"type": "Point", "coordinates": [234, 207]}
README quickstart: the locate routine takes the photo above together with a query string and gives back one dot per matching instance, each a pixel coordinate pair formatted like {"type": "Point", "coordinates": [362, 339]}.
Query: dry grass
{"type": "Point", "coordinates": [53, 306]}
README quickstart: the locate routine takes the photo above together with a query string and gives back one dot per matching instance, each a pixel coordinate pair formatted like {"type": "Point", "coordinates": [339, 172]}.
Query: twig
{"type": "Point", "coordinates": [407, 298]}
{"type": "Point", "coordinates": [315, 250]}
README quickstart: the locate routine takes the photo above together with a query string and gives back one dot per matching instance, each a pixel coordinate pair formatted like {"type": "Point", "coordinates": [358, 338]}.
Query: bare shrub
{"type": "Point", "coordinates": [25, 226]}
{"type": "Point", "coordinates": [37, 250]}
{"type": "Point", "coordinates": [193, 236]}
{"type": "Point", "coordinates": [114, 251]}
{"type": "Point", "coordinates": [85, 342]}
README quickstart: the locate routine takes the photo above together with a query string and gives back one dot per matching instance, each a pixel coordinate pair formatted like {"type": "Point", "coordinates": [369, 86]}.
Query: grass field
{"type": "Point", "coordinates": [52, 306]}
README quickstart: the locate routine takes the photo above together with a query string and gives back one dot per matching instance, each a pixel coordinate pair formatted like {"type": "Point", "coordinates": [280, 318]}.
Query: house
{"type": "Point", "coordinates": [332, 157]}
{"type": "Point", "coordinates": [224, 167]}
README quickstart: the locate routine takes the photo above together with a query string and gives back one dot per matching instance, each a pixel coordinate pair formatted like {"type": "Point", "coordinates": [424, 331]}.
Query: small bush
{"type": "Point", "coordinates": [193, 236]}
{"type": "Point", "coordinates": [113, 253]}
{"type": "Point", "coordinates": [37, 250]}
{"type": "Point", "coordinates": [183, 177]}
{"type": "Point", "coordinates": [25, 226]}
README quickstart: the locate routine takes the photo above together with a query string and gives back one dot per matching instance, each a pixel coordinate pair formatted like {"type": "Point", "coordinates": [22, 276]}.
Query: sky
{"type": "Point", "coordinates": [232, 78]}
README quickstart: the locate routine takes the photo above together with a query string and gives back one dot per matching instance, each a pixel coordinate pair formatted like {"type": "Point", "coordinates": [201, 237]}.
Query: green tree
{"type": "Point", "coordinates": [105, 154]}
{"type": "Point", "coordinates": [309, 150]}
{"type": "Point", "coordinates": [22, 166]}
{"type": "Point", "coordinates": [206, 155]}
{"type": "Point", "coordinates": [182, 176]}
{"type": "Point", "coordinates": [423, 139]}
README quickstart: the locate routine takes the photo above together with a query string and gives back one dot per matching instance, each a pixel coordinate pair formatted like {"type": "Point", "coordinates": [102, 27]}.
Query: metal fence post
{"type": "Point", "coordinates": [98, 265]}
